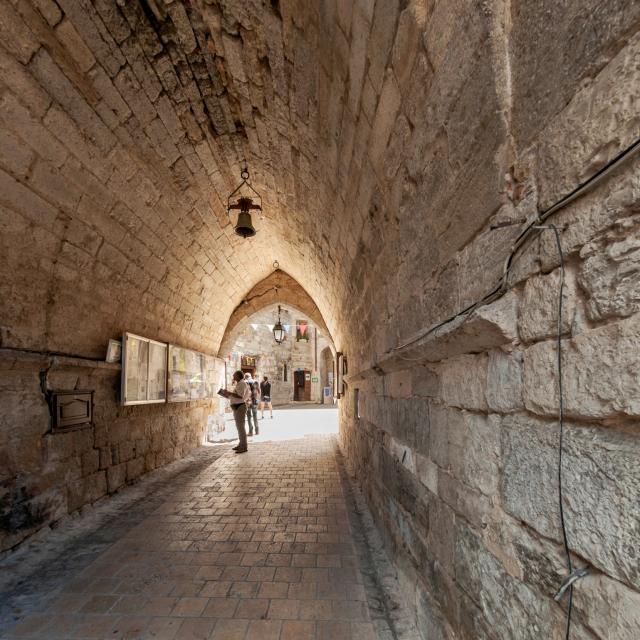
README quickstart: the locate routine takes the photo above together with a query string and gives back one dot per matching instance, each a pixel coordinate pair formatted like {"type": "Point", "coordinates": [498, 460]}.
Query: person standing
{"type": "Point", "coordinates": [255, 401]}
{"type": "Point", "coordinates": [239, 398]}
{"type": "Point", "coordinates": [265, 396]}
{"type": "Point", "coordinates": [252, 408]}
{"type": "Point", "coordinates": [250, 418]}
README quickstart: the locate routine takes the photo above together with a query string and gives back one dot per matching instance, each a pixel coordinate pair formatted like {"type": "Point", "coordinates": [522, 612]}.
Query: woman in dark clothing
{"type": "Point", "coordinates": [265, 396]}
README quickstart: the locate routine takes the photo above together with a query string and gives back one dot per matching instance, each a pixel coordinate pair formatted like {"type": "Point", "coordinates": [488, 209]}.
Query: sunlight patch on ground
{"type": "Point", "coordinates": [288, 423]}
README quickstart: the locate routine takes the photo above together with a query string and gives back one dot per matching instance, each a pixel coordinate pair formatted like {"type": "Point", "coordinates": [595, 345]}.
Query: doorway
{"type": "Point", "coordinates": [248, 365]}
{"type": "Point", "coordinates": [302, 385]}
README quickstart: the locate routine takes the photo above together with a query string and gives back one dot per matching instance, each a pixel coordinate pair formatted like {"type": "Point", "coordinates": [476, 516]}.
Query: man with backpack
{"type": "Point", "coordinates": [252, 408]}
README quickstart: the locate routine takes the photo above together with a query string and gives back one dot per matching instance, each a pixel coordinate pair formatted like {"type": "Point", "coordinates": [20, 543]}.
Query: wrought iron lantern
{"type": "Point", "coordinates": [242, 199]}
{"type": "Point", "coordinates": [278, 330]}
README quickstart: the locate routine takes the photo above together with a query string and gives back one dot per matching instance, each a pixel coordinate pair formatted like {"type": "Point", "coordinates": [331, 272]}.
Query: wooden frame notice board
{"type": "Point", "coordinates": [144, 370]}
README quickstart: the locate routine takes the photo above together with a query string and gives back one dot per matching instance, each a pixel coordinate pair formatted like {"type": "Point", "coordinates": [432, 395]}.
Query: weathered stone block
{"type": "Point", "coordinates": [504, 381]}
{"type": "Point", "coordinates": [116, 476]}
{"type": "Point", "coordinates": [129, 88]}
{"type": "Point", "coordinates": [49, 10]}
{"type": "Point", "coordinates": [609, 608]}
{"type": "Point", "coordinates": [427, 472]}
{"type": "Point", "coordinates": [398, 384]}
{"type": "Point", "coordinates": [360, 27]}
{"type": "Point", "coordinates": [14, 154]}
{"type": "Point", "coordinates": [487, 327]}
{"type": "Point", "coordinates": [568, 155]}
{"type": "Point", "coordinates": [105, 87]}
{"type": "Point", "coordinates": [380, 40]}
{"type": "Point", "coordinates": [509, 608]}
{"type": "Point", "coordinates": [105, 457]}
{"type": "Point", "coordinates": [472, 505]}
{"type": "Point", "coordinates": [585, 37]}
{"type": "Point", "coordinates": [593, 215]}
{"type": "Point", "coordinates": [464, 381]}
{"type": "Point", "coordinates": [439, 435]}
{"type": "Point", "coordinates": [150, 461]}
{"type": "Point", "coordinates": [135, 468]}
{"type": "Point", "coordinates": [75, 45]}
{"type": "Point", "coordinates": [15, 34]}
{"type": "Point", "coordinates": [90, 462]}
{"type": "Point", "coordinates": [82, 440]}
{"type": "Point", "coordinates": [442, 534]}
{"type": "Point", "coordinates": [17, 118]}
{"type": "Point", "coordinates": [425, 382]}
{"type": "Point", "coordinates": [407, 41]}
{"type": "Point", "coordinates": [610, 272]}
{"type": "Point", "coordinates": [385, 118]}
{"type": "Point", "coordinates": [538, 316]}
{"type": "Point", "coordinates": [429, 619]}
{"type": "Point", "coordinates": [601, 373]}
{"type": "Point", "coordinates": [95, 486]}
{"type": "Point", "coordinates": [601, 476]}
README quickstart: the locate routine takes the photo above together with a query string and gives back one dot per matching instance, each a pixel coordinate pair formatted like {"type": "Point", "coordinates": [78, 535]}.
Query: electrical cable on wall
{"type": "Point", "coordinates": [572, 575]}
{"type": "Point", "coordinates": [536, 227]}
{"type": "Point", "coordinates": [530, 230]}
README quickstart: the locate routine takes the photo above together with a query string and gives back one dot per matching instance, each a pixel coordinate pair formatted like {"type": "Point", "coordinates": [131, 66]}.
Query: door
{"type": "Point", "coordinates": [298, 385]}
{"type": "Point", "coordinates": [307, 385]}
{"type": "Point", "coordinates": [302, 385]}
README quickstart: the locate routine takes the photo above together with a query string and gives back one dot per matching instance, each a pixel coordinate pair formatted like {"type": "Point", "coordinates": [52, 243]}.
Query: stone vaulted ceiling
{"type": "Point", "coordinates": [384, 137]}
{"type": "Point", "coordinates": [137, 117]}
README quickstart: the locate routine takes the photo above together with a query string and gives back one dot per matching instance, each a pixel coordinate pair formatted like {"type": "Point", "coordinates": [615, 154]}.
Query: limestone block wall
{"type": "Point", "coordinates": [46, 475]}
{"type": "Point", "coordinates": [387, 137]}
{"type": "Point", "coordinates": [457, 442]}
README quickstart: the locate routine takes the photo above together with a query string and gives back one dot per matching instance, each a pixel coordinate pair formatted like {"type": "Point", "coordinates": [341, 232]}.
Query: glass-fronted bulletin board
{"type": "Point", "coordinates": [144, 370]}
{"type": "Point", "coordinates": [193, 375]}
{"type": "Point", "coordinates": [186, 375]}
{"type": "Point", "coordinates": [158, 372]}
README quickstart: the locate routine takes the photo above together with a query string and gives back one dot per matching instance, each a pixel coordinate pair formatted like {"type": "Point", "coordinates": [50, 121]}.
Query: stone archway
{"type": "Point", "coordinates": [277, 288]}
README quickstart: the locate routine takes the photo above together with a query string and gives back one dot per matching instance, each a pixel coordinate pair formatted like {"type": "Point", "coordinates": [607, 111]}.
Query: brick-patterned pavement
{"type": "Point", "coordinates": [255, 546]}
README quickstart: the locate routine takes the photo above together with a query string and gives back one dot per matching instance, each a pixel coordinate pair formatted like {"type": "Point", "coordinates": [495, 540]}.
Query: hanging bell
{"type": "Point", "coordinates": [244, 203]}
{"type": "Point", "coordinates": [244, 226]}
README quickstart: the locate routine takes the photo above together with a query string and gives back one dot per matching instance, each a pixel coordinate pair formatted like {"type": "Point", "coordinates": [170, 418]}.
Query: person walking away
{"type": "Point", "coordinates": [255, 402]}
{"type": "Point", "coordinates": [239, 398]}
{"type": "Point", "coordinates": [265, 396]}
{"type": "Point", "coordinates": [252, 414]}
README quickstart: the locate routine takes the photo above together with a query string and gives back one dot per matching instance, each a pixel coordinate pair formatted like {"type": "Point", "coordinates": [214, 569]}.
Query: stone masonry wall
{"type": "Point", "coordinates": [457, 442]}
{"type": "Point", "coordinates": [387, 137]}
{"type": "Point", "coordinates": [43, 475]}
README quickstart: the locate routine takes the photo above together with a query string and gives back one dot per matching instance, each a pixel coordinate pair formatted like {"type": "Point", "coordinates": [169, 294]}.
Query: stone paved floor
{"type": "Point", "coordinates": [255, 546]}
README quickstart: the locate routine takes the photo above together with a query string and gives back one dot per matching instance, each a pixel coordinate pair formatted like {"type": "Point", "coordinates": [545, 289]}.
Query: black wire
{"type": "Point", "coordinates": [561, 426]}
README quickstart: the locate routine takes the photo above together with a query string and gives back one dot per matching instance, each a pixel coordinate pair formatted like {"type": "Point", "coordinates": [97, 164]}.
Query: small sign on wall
{"type": "Point", "coordinates": [71, 409]}
{"type": "Point", "coordinates": [314, 379]}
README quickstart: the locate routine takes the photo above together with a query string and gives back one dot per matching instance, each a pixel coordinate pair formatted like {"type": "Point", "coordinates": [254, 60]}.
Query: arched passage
{"type": "Point", "coordinates": [277, 288]}
{"type": "Point", "coordinates": [403, 149]}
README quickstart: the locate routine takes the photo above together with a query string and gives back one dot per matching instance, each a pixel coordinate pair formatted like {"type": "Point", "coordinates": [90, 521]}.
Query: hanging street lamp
{"type": "Point", "coordinates": [243, 201]}
{"type": "Point", "coordinates": [278, 330]}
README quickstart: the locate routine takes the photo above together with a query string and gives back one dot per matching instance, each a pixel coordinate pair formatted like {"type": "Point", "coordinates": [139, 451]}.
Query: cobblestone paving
{"type": "Point", "coordinates": [255, 546]}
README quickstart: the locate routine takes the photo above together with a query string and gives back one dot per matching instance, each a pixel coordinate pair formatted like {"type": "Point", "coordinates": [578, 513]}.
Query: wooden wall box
{"type": "Point", "coordinates": [72, 409]}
